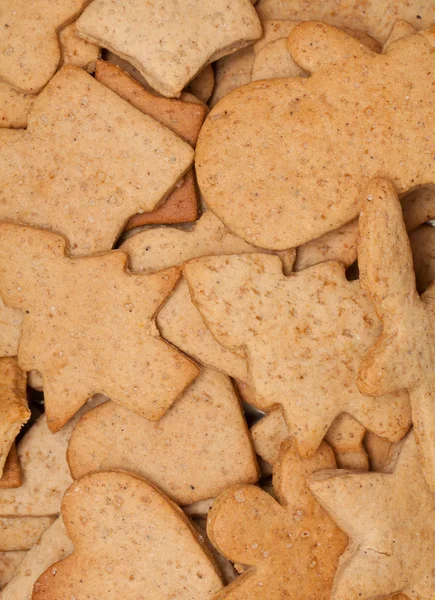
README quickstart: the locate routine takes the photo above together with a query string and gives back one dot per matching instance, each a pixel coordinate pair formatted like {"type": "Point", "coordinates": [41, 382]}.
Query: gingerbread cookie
{"type": "Point", "coordinates": [268, 128]}
{"type": "Point", "coordinates": [129, 539]}
{"type": "Point", "coordinates": [68, 333]}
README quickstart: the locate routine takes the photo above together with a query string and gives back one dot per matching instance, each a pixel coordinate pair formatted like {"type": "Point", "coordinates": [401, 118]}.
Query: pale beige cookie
{"type": "Point", "coordinates": [14, 106]}
{"type": "Point", "coordinates": [21, 533]}
{"type": "Point", "coordinates": [29, 45]}
{"type": "Point", "coordinates": [66, 171]}
{"type": "Point", "coordinates": [274, 61]}
{"type": "Point", "coordinates": [378, 450]}
{"type": "Point", "coordinates": [77, 51]}
{"type": "Point", "coordinates": [11, 477]}
{"type": "Point", "coordinates": [422, 242]}
{"type": "Point", "coordinates": [404, 354]}
{"type": "Point", "coordinates": [183, 118]}
{"type": "Point", "coordinates": [291, 545]}
{"type": "Point", "coordinates": [375, 17]}
{"type": "Point", "coordinates": [345, 436]}
{"type": "Point", "coordinates": [34, 380]}
{"type": "Point", "coordinates": [54, 545]}
{"type": "Point", "coordinates": [199, 509]}
{"type": "Point", "coordinates": [11, 321]}
{"type": "Point", "coordinates": [9, 562]}
{"type": "Point", "coordinates": [390, 519]}
{"type": "Point", "coordinates": [129, 539]}
{"type": "Point", "coordinates": [179, 321]}
{"type": "Point", "coordinates": [226, 568]}
{"type": "Point", "coordinates": [172, 51]}
{"type": "Point", "coordinates": [304, 336]}
{"type": "Point", "coordinates": [202, 85]}
{"type": "Point", "coordinates": [232, 72]}
{"type": "Point", "coordinates": [198, 449]}
{"type": "Point", "coordinates": [320, 131]}
{"type": "Point", "coordinates": [14, 411]}
{"type": "Point", "coordinates": [45, 472]}
{"type": "Point", "coordinates": [68, 330]}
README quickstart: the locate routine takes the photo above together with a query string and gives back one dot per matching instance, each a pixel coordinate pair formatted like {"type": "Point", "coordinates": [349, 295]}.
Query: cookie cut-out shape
{"type": "Point", "coordinates": [390, 520]}
{"type": "Point", "coordinates": [68, 330]}
{"type": "Point", "coordinates": [45, 472]}
{"type": "Point", "coordinates": [204, 427]}
{"type": "Point", "coordinates": [232, 72]}
{"type": "Point", "coordinates": [11, 477]}
{"type": "Point", "coordinates": [418, 207]}
{"type": "Point", "coordinates": [274, 61]}
{"type": "Point", "coordinates": [173, 51]}
{"type": "Point", "coordinates": [14, 411]}
{"type": "Point", "coordinates": [339, 245]}
{"type": "Point", "coordinates": [179, 321]}
{"type": "Point", "coordinates": [422, 242]}
{"type": "Point", "coordinates": [14, 107]}
{"type": "Point", "coordinates": [21, 533]}
{"type": "Point", "coordinates": [11, 321]}
{"type": "Point", "coordinates": [79, 169]}
{"type": "Point", "coordinates": [345, 436]}
{"type": "Point", "coordinates": [139, 543]}
{"type": "Point", "coordinates": [53, 545]}
{"type": "Point", "coordinates": [288, 124]}
{"type": "Point", "coordinates": [375, 17]}
{"type": "Point", "coordinates": [291, 545]}
{"type": "Point", "coordinates": [404, 354]}
{"type": "Point", "coordinates": [183, 118]}
{"type": "Point", "coordinates": [304, 336]}
{"type": "Point", "coordinates": [378, 450]}
{"type": "Point", "coordinates": [29, 46]}
{"type": "Point", "coordinates": [202, 85]}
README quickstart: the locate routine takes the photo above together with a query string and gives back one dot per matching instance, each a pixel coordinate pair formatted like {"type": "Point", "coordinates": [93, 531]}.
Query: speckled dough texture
{"type": "Point", "coordinates": [129, 539]}
{"type": "Point", "coordinates": [422, 242]}
{"type": "Point", "coordinates": [78, 168]}
{"type": "Point", "coordinates": [304, 335]}
{"type": "Point", "coordinates": [199, 448]}
{"type": "Point", "coordinates": [292, 545]}
{"type": "Point", "coordinates": [21, 533]}
{"type": "Point", "coordinates": [404, 355]}
{"type": "Point", "coordinates": [70, 306]}
{"type": "Point", "coordinates": [390, 520]}
{"type": "Point", "coordinates": [375, 17]}
{"type": "Point", "coordinates": [11, 477]}
{"type": "Point", "coordinates": [29, 45]}
{"type": "Point", "coordinates": [170, 51]}
{"type": "Point", "coordinates": [14, 411]}
{"type": "Point", "coordinates": [285, 161]}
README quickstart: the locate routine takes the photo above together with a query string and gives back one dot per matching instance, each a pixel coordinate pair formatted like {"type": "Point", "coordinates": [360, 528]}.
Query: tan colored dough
{"type": "Point", "coordinates": [228, 572]}
{"type": "Point", "coordinates": [11, 472]}
{"type": "Point", "coordinates": [173, 51]}
{"type": "Point", "coordinates": [14, 411]}
{"type": "Point", "coordinates": [199, 448]}
{"type": "Point", "coordinates": [422, 242]}
{"type": "Point", "coordinates": [45, 472]}
{"type": "Point", "coordinates": [66, 171]}
{"type": "Point", "coordinates": [54, 545]}
{"type": "Point", "coordinates": [292, 545]}
{"type": "Point", "coordinates": [68, 330]}
{"type": "Point", "coordinates": [274, 61]}
{"type": "Point", "coordinates": [9, 562]}
{"type": "Point", "coordinates": [375, 17]}
{"type": "Point", "coordinates": [10, 329]}
{"type": "Point", "coordinates": [129, 539]}
{"type": "Point", "coordinates": [29, 45]}
{"type": "Point", "coordinates": [326, 125]}
{"type": "Point", "coordinates": [339, 245]}
{"type": "Point", "coordinates": [76, 51]}
{"type": "Point", "coordinates": [304, 336]}
{"type": "Point", "coordinates": [14, 106]}
{"type": "Point", "coordinates": [378, 450]}
{"type": "Point", "coordinates": [232, 72]}
{"type": "Point", "coordinates": [198, 509]}
{"type": "Point", "coordinates": [418, 207]}
{"type": "Point", "coordinates": [202, 85]}
{"type": "Point", "coordinates": [21, 533]}
{"type": "Point", "coordinates": [390, 520]}
{"type": "Point", "coordinates": [404, 353]}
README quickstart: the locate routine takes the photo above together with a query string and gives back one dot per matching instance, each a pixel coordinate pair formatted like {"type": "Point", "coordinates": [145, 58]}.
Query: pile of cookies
{"type": "Point", "coordinates": [217, 315]}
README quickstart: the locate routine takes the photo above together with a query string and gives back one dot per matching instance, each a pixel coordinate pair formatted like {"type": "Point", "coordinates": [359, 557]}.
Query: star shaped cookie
{"type": "Point", "coordinates": [390, 519]}
{"type": "Point", "coordinates": [304, 335]}
{"type": "Point", "coordinates": [87, 161]}
{"type": "Point", "coordinates": [89, 326]}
